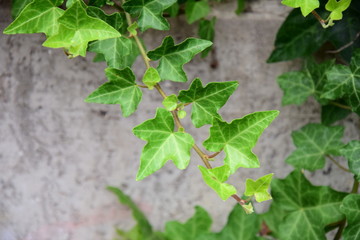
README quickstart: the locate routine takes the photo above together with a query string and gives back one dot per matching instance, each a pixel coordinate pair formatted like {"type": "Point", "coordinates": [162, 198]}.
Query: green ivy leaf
{"type": "Point", "coordinates": [273, 218]}
{"type": "Point", "coordinates": [163, 144]}
{"type": "Point", "coordinates": [149, 13]}
{"type": "Point", "coordinates": [17, 6]}
{"type": "Point", "coordinates": [314, 142]}
{"type": "Point", "coordinates": [143, 229]}
{"type": "Point", "coordinates": [151, 78]}
{"type": "Point", "coordinates": [351, 151]}
{"type": "Point", "coordinates": [173, 10]}
{"type": "Point", "coordinates": [170, 102]}
{"type": "Point", "coordinates": [215, 179]}
{"type": "Point", "coordinates": [172, 57]}
{"type": "Point", "coordinates": [331, 114]}
{"type": "Point", "coordinates": [121, 89]}
{"type": "Point", "coordinates": [259, 188]}
{"type": "Point", "coordinates": [239, 226]}
{"type": "Point", "coordinates": [118, 52]}
{"type": "Point", "coordinates": [77, 29]}
{"type": "Point", "coordinates": [351, 208]}
{"type": "Point", "coordinates": [238, 138]}
{"type": "Point", "coordinates": [240, 6]}
{"type": "Point", "coordinates": [97, 3]}
{"type": "Point", "coordinates": [206, 101]}
{"type": "Point", "coordinates": [336, 8]}
{"type": "Point", "coordinates": [344, 82]}
{"type": "Point", "coordinates": [40, 16]}
{"type": "Point", "coordinates": [195, 10]}
{"type": "Point", "coordinates": [306, 6]}
{"type": "Point", "coordinates": [116, 20]}
{"type": "Point", "coordinates": [207, 32]}
{"type": "Point", "coordinates": [309, 208]}
{"type": "Point", "coordinates": [182, 114]}
{"type": "Point", "coordinates": [199, 224]}
{"type": "Point", "coordinates": [133, 28]}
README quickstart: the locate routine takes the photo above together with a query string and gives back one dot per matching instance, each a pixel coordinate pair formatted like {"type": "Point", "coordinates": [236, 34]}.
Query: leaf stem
{"type": "Point", "coordinates": [340, 105]}
{"type": "Point", "coordinates": [355, 186]}
{"type": "Point", "coordinates": [338, 164]}
{"type": "Point", "coordinates": [213, 155]}
{"type": "Point", "coordinates": [321, 21]}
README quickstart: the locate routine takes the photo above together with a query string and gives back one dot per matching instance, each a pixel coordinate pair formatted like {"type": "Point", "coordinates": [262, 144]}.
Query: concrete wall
{"type": "Point", "coordinates": [57, 153]}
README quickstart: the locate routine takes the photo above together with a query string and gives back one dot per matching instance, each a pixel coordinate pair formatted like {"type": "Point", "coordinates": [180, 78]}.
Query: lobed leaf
{"type": "Point", "coordinates": [121, 89]}
{"type": "Point", "coordinates": [116, 20]}
{"type": "Point", "coordinates": [259, 188]}
{"type": "Point", "coordinates": [306, 6]}
{"type": "Point", "coordinates": [238, 138]}
{"type": "Point", "coordinates": [163, 144]}
{"type": "Point", "coordinates": [351, 208]}
{"type": "Point", "coordinates": [206, 101]}
{"type": "Point", "coordinates": [314, 142]}
{"type": "Point", "coordinates": [336, 8]}
{"type": "Point", "coordinates": [351, 151]}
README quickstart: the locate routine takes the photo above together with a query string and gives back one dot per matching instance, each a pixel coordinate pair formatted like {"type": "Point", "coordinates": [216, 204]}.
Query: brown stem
{"type": "Point", "coordinates": [345, 46]}
{"type": "Point", "coordinates": [317, 16]}
{"type": "Point", "coordinates": [338, 164]}
{"type": "Point", "coordinates": [355, 186]}
{"type": "Point", "coordinates": [340, 230]}
{"type": "Point", "coordinates": [213, 155]}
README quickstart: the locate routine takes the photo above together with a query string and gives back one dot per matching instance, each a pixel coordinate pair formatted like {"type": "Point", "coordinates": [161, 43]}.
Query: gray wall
{"type": "Point", "coordinates": [57, 153]}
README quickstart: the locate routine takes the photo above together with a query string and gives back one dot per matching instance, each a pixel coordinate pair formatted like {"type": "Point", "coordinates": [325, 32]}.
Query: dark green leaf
{"type": "Point", "coordinates": [352, 153]}
{"type": "Point", "coordinates": [195, 10]}
{"type": "Point", "coordinates": [331, 114]}
{"type": "Point", "coordinates": [97, 3]}
{"type": "Point", "coordinates": [207, 32]}
{"type": "Point", "coordinates": [173, 10]}
{"type": "Point", "coordinates": [351, 209]}
{"type": "Point", "coordinates": [240, 6]}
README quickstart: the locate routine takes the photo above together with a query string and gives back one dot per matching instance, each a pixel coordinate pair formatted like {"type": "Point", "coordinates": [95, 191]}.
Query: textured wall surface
{"type": "Point", "coordinates": [57, 153]}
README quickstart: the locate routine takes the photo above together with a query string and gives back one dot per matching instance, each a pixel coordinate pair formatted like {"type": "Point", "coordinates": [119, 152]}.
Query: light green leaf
{"type": "Point", "coordinates": [238, 138]}
{"type": "Point", "coordinates": [240, 6]}
{"type": "Point", "coordinates": [309, 208]}
{"type": "Point", "coordinates": [149, 13]}
{"type": "Point", "coordinates": [351, 151]}
{"type": "Point", "coordinates": [172, 57]}
{"type": "Point", "coordinates": [240, 226]}
{"type": "Point", "coordinates": [163, 144]}
{"type": "Point", "coordinates": [40, 16]}
{"type": "Point", "coordinates": [207, 32]}
{"type": "Point", "coordinates": [17, 6]}
{"type": "Point", "coordinates": [77, 29]}
{"type": "Point", "coordinates": [336, 8]}
{"type": "Point", "coordinates": [116, 20]}
{"type": "Point", "coordinates": [215, 179]}
{"type": "Point", "coordinates": [132, 28]}
{"type": "Point", "coordinates": [314, 142]}
{"type": "Point", "coordinates": [170, 102]}
{"type": "Point", "coordinates": [206, 101]}
{"type": "Point", "coordinates": [121, 89]}
{"type": "Point", "coordinates": [259, 188]}
{"type": "Point", "coordinates": [195, 10]}
{"type": "Point", "coordinates": [344, 82]}
{"type": "Point", "coordinates": [199, 224]}
{"type": "Point", "coordinates": [306, 6]}
{"type": "Point", "coordinates": [351, 208]}
{"type": "Point", "coordinates": [119, 52]}
{"type": "Point", "coordinates": [69, 3]}
{"type": "Point", "coordinates": [248, 208]}
{"type": "Point", "coordinates": [151, 78]}
{"type": "Point", "coordinates": [182, 114]}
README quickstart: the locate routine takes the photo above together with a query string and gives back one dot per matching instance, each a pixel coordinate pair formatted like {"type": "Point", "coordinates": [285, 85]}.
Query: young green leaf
{"type": "Point", "coordinates": [352, 153]}
{"type": "Point", "coordinates": [206, 101]}
{"type": "Point", "coordinates": [344, 82]}
{"type": "Point", "coordinates": [199, 224]}
{"type": "Point", "coordinates": [314, 142]}
{"type": "Point", "coordinates": [40, 16]}
{"type": "Point", "coordinates": [238, 138]}
{"type": "Point", "coordinates": [336, 8]}
{"type": "Point", "coordinates": [182, 114]}
{"type": "Point", "coordinates": [163, 144]}
{"type": "Point", "coordinates": [149, 13]}
{"type": "Point", "coordinates": [306, 6]}
{"type": "Point", "coordinates": [17, 6]}
{"type": "Point", "coordinates": [170, 102]}
{"type": "Point", "coordinates": [215, 179]}
{"type": "Point", "coordinates": [195, 10]}
{"type": "Point", "coordinates": [121, 89]}
{"type": "Point", "coordinates": [132, 28]}
{"type": "Point", "coordinates": [207, 32]}
{"type": "Point", "coordinates": [259, 188]}
{"type": "Point", "coordinates": [77, 29]}
{"type": "Point", "coordinates": [172, 57]}
{"type": "Point", "coordinates": [118, 52]}
{"type": "Point", "coordinates": [309, 208]}
{"type": "Point", "coordinates": [351, 208]}
{"type": "Point", "coordinates": [151, 78]}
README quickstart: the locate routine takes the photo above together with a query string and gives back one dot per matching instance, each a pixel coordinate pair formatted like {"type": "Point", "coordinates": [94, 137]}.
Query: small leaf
{"type": "Point", "coordinates": [77, 29]}
{"type": "Point", "coordinates": [39, 16]}
{"type": "Point", "coordinates": [240, 7]}
{"type": "Point", "coordinates": [199, 224]}
{"type": "Point", "coordinates": [182, 114]}
{"type": "Point", "coordinates": [151, 78]}
{"type": "Point", "coordinates": [215, 179]}
{"type": "Point", "coordinates": [121, 89]}
{"type": "Point", "coordinates": [248, 208]}
{"type": "Point", "coordinates": [336, 8]}
{"type": "Point", "coordinates": [195, 10]}
{"type": "Point", "coordinates": [306, 6]}
{"type": "Point", "coordinates": [172, 57]}
{"type": "Point", "coordinates": [163, 144]}
{"type": "Point", "coordinates": [259, 188]}
{"type": "Point", "coordinates": [170, 102]}
{"type": "Point", "coordinates": [351, 208]}
{"type": "Point", "coordinates": [17, 6]}
{"type": "Point", "coordinates": [132, 28]}
{"type": "Point", "coordinates": [314, 142]}
{"type": "Point", "coordinates": [352, 153]}
{"type": "Point", "coordinates": [238, 138]}
{"type": "Point", "coordinates": [149, 13]}
{"type": "Point", "coordinates": [206, 101]}
{"type": "Point", "coordinates": [207, 32]}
